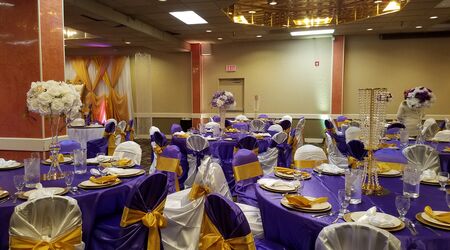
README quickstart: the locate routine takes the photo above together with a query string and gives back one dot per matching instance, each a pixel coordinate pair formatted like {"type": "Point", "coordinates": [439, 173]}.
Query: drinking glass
{"type": "Point", "coordinates": [299, 177]}
{"type": "Point", "coordinates": [344, 200]}
{"type": "Point", "coordinates": [353, 182]}
{"type": "Point", "coordinates": [443, 180]}
{"type": "Point", "coordinates": [402, 203]}
{"type": "Point", "coordinates": [317, 166]}
{"type": "Point", "coordinates": [68, 179]}
{"type": "Point", "coordinates": [79, 161]}
{"type": "Point", "coordinates": [404, 138]}
{"type": "Point", "coordinates": [411, 181]}
{"type": "Point", "coordinates": [19, 183]}
{"type": "Point", "coordinates": [32, 172]}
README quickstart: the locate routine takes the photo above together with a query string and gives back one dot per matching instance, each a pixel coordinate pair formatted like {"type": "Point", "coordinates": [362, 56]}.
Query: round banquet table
{"type": "Point", "coordinates": [94, 203]}
{"type": "Point", "coordinates": [298, 230]}
{"type": "Point", "coordinates": [395, 155]}
{"type": "Point", "coordinates": [85, 134]}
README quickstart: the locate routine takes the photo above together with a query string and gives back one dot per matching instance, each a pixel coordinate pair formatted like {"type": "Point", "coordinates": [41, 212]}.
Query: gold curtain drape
{"type": "Point", "coordinates": [114, 104]}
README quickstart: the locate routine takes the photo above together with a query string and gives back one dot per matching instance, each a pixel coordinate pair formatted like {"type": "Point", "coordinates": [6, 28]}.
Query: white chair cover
{"type": "Point", "coordinates": [423, 156]}
{"type": "Point", "coordinates": [130, 150]}
{"type": "Point", "coordinates": [275, 128]}
{"type": "Point", "coordinates": [298, 133]}
{"type": "Point", "coordinates": [430, 128]}
{"type": "Point", "coordinates": [269, 159]}
{"type": "Point", "coordinates": [184, 217]}
{"type": "Point", "coordinates": [152, 131]}
{"type": "Point", "coordinates": [111, 120]}
{"type": "Point", "coordinates": [241, 118]}
{"type": "Point", "coordinates": [195, 143]}
{"type": "Point", "coordinates": [46, 218]}
{"type": "Point", "coordinates": [286, 117]}
{"type": "Point", "coordinates": [122, 125]}
{"type": "Point", "coordinates": [253, 216]}
{"type": "Point", "coordinates": [352, 133]}
{"type": "Point", "coordinates": [334, 155]}
{"type": "Point", "coordinates": [443, 135]}
{"type": "Point", "coordinates": [257, 125]}
{"type": "Point", "coordinates": [309, 153]}
{"type": "Point", "coordinates": [212, 125]}
{"type": "Point", "coordinates": [344, 236]}
{"type": "Point", "coordinates": [280, 137]}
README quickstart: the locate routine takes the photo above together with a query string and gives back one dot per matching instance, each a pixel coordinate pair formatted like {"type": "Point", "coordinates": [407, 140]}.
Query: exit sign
{"type": "Point", "coordinates": [230, 68]}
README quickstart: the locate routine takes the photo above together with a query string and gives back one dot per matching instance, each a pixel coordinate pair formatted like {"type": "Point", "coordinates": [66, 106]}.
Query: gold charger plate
{"type": "Point", "coordinates": [386, 174]}
{"type": "Point", "coordinates": [433, 220]}
{"type": "Point", "coordinates": [286, 204]}
{"type": "Point", "coordinates": [422, 220]}
{"type": "Point", "coordinates": [138, 173]}
{"type": "Point", "coordinates": [16, 166]}
{"type": "Point", "coordinates": [348, 218]}
{"type": "Point", "coordinates": [26, 195]}
{"type": "Point", "coordinates": [291, 177]}
{"type": "Point", "coordinates": [100, 186]}
{"type": "Point", "coordinates": [278, 190]}
{"type": "Point", "coordinates": [432, 182]}
{"type": "Point", "coordinates": [4, 194]}
{"type": "Point", "coordinates": [66, 160]}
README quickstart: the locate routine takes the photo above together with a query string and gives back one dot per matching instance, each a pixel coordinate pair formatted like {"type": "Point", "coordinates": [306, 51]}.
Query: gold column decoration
{"type": "Point", "coordinates": [372, 103]}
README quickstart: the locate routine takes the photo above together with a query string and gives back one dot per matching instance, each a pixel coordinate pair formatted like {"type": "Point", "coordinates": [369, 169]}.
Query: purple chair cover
{"type": "Point", "coordinates": [216, 118]}
{"type": "Point", "coordinates": [248, 142]}
{"type": "Point", "coordinates": [128, 132]}
{"type": "Point", "coordinates": [442, 125]}
{"type": "Point", "coordinates": [225, 154]}
{"type": "Point", "coordinates": [328, 124]}
{"type": "Point", "coordinates": [175, 128]}
{"type": "Point", "coordinates": [100, 145]}
{"type": "Point", "coordinates": [263, 116]}
{"type": "Point", "coordinates": [245, 189]}
{"type": "Point", "coordinates": [159, 138]}
{"type": "Point", "coordinates": [241, 126]}
{"type": "Point", "coordinates": [341, 118]}
{"type": "Point", "coordinates": [145, 196]}
{"type": "Point", "coordinates": [284, 153]}
{"type": "Point", "coordinates": [339, 139]}
{"type": "Point", "coordinates": [356, 149]}
{"type": "Point", "coordinates": [285, 124]}
{"type": "Point", "coordinates": [396, 125]}
{"type": "Point", "coordinates": [268, 124]}
{"type": "Point", "coordinates": [172, 152]}
{"type": "Point", "coordinates": [181, 144]}
{"type": "Point", "coordinates": [68, 146]}
{"type": "Point", "coordinates": [228, 124]}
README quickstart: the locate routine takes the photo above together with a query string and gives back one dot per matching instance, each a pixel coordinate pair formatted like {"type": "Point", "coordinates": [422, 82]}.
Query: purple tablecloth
{"type": "Point", "coordinates": [94, 204]}
{"type": "Point", "coordinates": [297, 230]}
{"type": "Point", "coordinates": [395, 155]}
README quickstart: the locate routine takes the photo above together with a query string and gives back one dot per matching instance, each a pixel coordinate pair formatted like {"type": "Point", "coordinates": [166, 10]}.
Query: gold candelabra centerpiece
{"type": "Point", "coordinates": [372, 103]}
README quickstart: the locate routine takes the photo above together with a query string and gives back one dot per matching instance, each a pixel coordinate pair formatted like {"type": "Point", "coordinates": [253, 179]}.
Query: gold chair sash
{"type": "Point", "coordinates": [111, 142]}
{"type": "Point", "coordinates": [158, 150]}
{"type": "Point", "coordinates": [198, 191]}
{"type": "Point", "coordinates": [247, 171]}
{"type": "Point", "coordinates": [307, 163]}
{"type": "Point", "coordinates": [153, 220]}
{"type": "Point", "coordinates": [121, 133]}
{"type": "Point", "coordinates": [355, 163]}
{"type": "Point", "coordinates": [211, 239]}
{"type": "Point", "coordinates": [131, 131]}
{"type": "Point", "coordinates": [391, 165]}
{"type": "Point", "coordinates": [65, 242]}
{"type": "Point", "coordinates": [170, 165]}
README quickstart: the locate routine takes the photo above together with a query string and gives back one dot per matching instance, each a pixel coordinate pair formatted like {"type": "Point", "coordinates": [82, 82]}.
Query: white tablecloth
{"type": "Point", "coordinates": [85, 134]}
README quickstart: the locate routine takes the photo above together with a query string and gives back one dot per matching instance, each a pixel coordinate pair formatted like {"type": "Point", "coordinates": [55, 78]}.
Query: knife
{"type": "Point", "coordinates": [411, 227]}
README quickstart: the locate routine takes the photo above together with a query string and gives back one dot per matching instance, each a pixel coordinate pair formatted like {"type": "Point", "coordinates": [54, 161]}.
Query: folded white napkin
{"type": "Point", "coordinates": [6, 164]}
{"type": "Point", "coordinates": [331, 168]}
{"type": "Point", "coordinates": [274, 183]}
{"type": "Point", "coordinates": [40, 192]}
{"type": "Point", "coordinates": [376, 219]}
{"type": "Point", "coordinates": [428, 175]}
{"type": "Point", "coordinates": [118, 171]}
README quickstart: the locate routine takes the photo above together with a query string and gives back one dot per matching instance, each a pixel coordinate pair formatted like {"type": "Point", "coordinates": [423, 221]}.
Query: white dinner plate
{"type": "Point", "coordinates": [87, 184]}
{"type": "Point", "coordinates": [279, 189]}
{"type": "Point", "coordinates": [429, 219]}
{"type": "Point", "coordinates": [395, 222]}
{"type": "Point", "coordinates": [12, 166]}
{"type": "Point", "coordinates": [53, 190]}
{"type": "Point", "coordinates": [315, 207]}
{"type": "Point", "coordinates": [66, 160]}
{"type": "Point", "coordinates": [391, 172]}
{"type": "Point", "coordinates": [126, 172]}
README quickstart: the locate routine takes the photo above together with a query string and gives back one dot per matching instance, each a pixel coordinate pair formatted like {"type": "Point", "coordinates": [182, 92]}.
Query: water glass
{"type": "Point", "coordinates": [79, 161]}
{"type": "Point", "coordinates": [68, 178]}
{"type": "Point", "coordinates": [216, 131]}
{"type": "Point", "coordinates": [317, 166]}
{"type": "Point", "coordinates": [19, 183]}
{"type": "Point", "coordinates": [443, 180]}
{"type": "Point", "coordinates": [32, 172]}
{"type": "Point", "coordinates": [353, 182]}
{"type": "Point", "coordinates": [299, 177]}
{"type": "Point", "coordinates": [411, 181]}
{"type": "Point", "coordinates": [201, 128]}
{"type": "Point", "coordinates": [404, 138]}
{"type": "Point", "coordinates": [344, 201]}
{"type": "Point", "coordinates": [402, 203]}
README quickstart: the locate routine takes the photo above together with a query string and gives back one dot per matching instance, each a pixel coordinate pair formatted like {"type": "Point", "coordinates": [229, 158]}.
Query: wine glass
{"type": "Point", "coordinates": [299, 177]}
{"type": "Point", "coordinates": [443, 180]}
{"type": "Point", "coordinates": [317, 166]}
{"type": "Point", "coordinates": [344, 201]}
{"type": "Point", "coordinates": [68, 179]}
{"type": "Point", "coordinates": [402, 203]}
{"type": "Point", "coordinates": [19, 183]}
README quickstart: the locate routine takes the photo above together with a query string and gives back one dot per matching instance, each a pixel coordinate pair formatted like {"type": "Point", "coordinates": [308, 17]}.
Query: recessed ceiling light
{"type": "Point", "coordinates": [127, 42]}
{"type": "Point", "coordinates": [258, 36]}
{"type": "Point", "coordinates": [312, 32]}
{"type": "Point", "coordinates": [188, 17]}
{"type": "Point", "coordinates": [208, 31]}
{"type": "Point", "coordinates": [419, 27]}
{"type": "Point", "coordinates": [219, 38]}
{"type": "Point", "coordinates": [252, 12]}
{"type": "Point", "coordinates": [369, 29]}
{"type": "Point", "coordinates": [433, 17]}
{"type": "Point", "coordinates": [273, 2]}
{"type": "Point", "coordinates": [162, 0]}
{"type": "Point", "coordinates": [378, 1]}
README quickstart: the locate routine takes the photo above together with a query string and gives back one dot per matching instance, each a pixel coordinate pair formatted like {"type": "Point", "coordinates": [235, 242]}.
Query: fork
{"type": "Point", "coordinates": [337, 218]}
{"type": "Point", "coordinates": [5, 200]}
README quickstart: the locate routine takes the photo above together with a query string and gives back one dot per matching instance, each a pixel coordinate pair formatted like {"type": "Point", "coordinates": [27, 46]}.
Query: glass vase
{"type": "Point", "coordinates": [55, 171]}
{"type": "Point", "coordinates": [222, 114]}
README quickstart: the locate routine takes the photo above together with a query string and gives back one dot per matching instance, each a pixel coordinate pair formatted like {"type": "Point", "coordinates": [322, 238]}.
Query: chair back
{"type": "Point", "coordinates": [263, 116]}
{"type": "Point", "coordinates": [197, 143]}
{"type": "Point", "coordinates": [430, 128]}
{"type": "Point", "coordinates": [278, 138]}
{"type": "Point", "coordinates": [55, 219]}
{"type": "Point", "coordinates": [394, 128]}
{"type": "Point", "coordinates": [212, 125]}
{"type": "Point", "coordinates": [158, 141]}
{"type": "Point", "coordinates": [248, 142]}
{"type": "Point", "coordinates": [273, 129]}
{"type": "Point", "coordinates": [285, 124]}
{"type": "Point", "coordinates": [307, 155]}
{"type": "Point", "coordinates": [130, 150]}
{"type": "Point", "coordinates": [242, 126]}
{"type": "Point", "coordinates": [356, 149]}
{"type": "Point", "coordinates": [355, 236]}
{"type": "Point", "coordinates": [423, 156]}
{"type": "Point", "coordinates": [122, 125]}
{"type": "Point", "coordinates": [169, 161]}
{"type": "Point", "coordinates": [334, 149]}
{"type": "Point", "coordinates": [246, 165]}
{"type": "Point", "coordinates": [152, 130]}
{"type": "Point", "coordinates": [111, 121]}
{"type": "Point", "coordinates": [225, 222]}
{"type": "Point", "coordinates": [198, 147]}
{"type": "Point", "coordinates": [257, 125]}
{"type": "Point", "coordinates": [286, 118]}
{"type": "Point", "coordinates": [105, 144]}
{"type": "Point", "coordinates": [352, 133]}
{"type": "Point", "coordinates": [175, 128]}
{"type": "Point", "coordinates": [211, 176]}
{"type": "Point", "coordinates": [284, 155]}
{"type": "Point", "coordinates": [241, 118]}
{"type": "Point", "coordinates": [215, 118]}
{"type": "Point", "coordinates": [68, 146]}
{"type": "Point", "coordinates": [129, 131]}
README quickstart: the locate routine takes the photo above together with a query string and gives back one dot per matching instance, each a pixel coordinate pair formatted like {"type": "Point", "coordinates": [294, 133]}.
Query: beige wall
{"type": "Point", "coordinates": [282, 73]}
{"type": "Point", "coordinates": [397, 65]}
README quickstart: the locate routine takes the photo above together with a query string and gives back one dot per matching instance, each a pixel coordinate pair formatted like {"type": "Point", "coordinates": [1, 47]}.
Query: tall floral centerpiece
{"type": "Point", "coordinates": [53, 99]}
{"type": "Point", "coordinates": [222, 100]}
{"type": "Point", "coordinates": [417, 99]}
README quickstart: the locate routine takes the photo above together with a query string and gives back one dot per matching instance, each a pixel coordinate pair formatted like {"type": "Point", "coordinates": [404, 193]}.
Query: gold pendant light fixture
{"type": "Point", "coordinates": [308, 13]}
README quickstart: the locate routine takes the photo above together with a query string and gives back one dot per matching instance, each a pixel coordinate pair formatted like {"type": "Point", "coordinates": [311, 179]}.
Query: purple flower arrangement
{"type": "Point", "coordinates": [384, 97]}
{"type": "Point", "coordinates": [222, 99]}
{"type": "Point", "coordinates": [419, 97]}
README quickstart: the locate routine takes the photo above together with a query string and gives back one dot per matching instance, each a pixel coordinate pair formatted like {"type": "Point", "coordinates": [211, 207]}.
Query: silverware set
{"type": "Point", "coordinates": [5, 200]}
{"type": "Point", "coordinates": [411, 226]}
{"type": "Point", "coordinates": [321, 215]}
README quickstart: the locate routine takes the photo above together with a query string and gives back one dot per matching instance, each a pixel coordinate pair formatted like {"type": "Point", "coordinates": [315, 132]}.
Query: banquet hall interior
{"type": "Point", "coordinates": [224, 124]}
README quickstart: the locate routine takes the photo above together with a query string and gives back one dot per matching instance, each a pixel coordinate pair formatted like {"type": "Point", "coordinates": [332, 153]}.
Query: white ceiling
{"type": "Point", "coordinates": [152, 27]}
